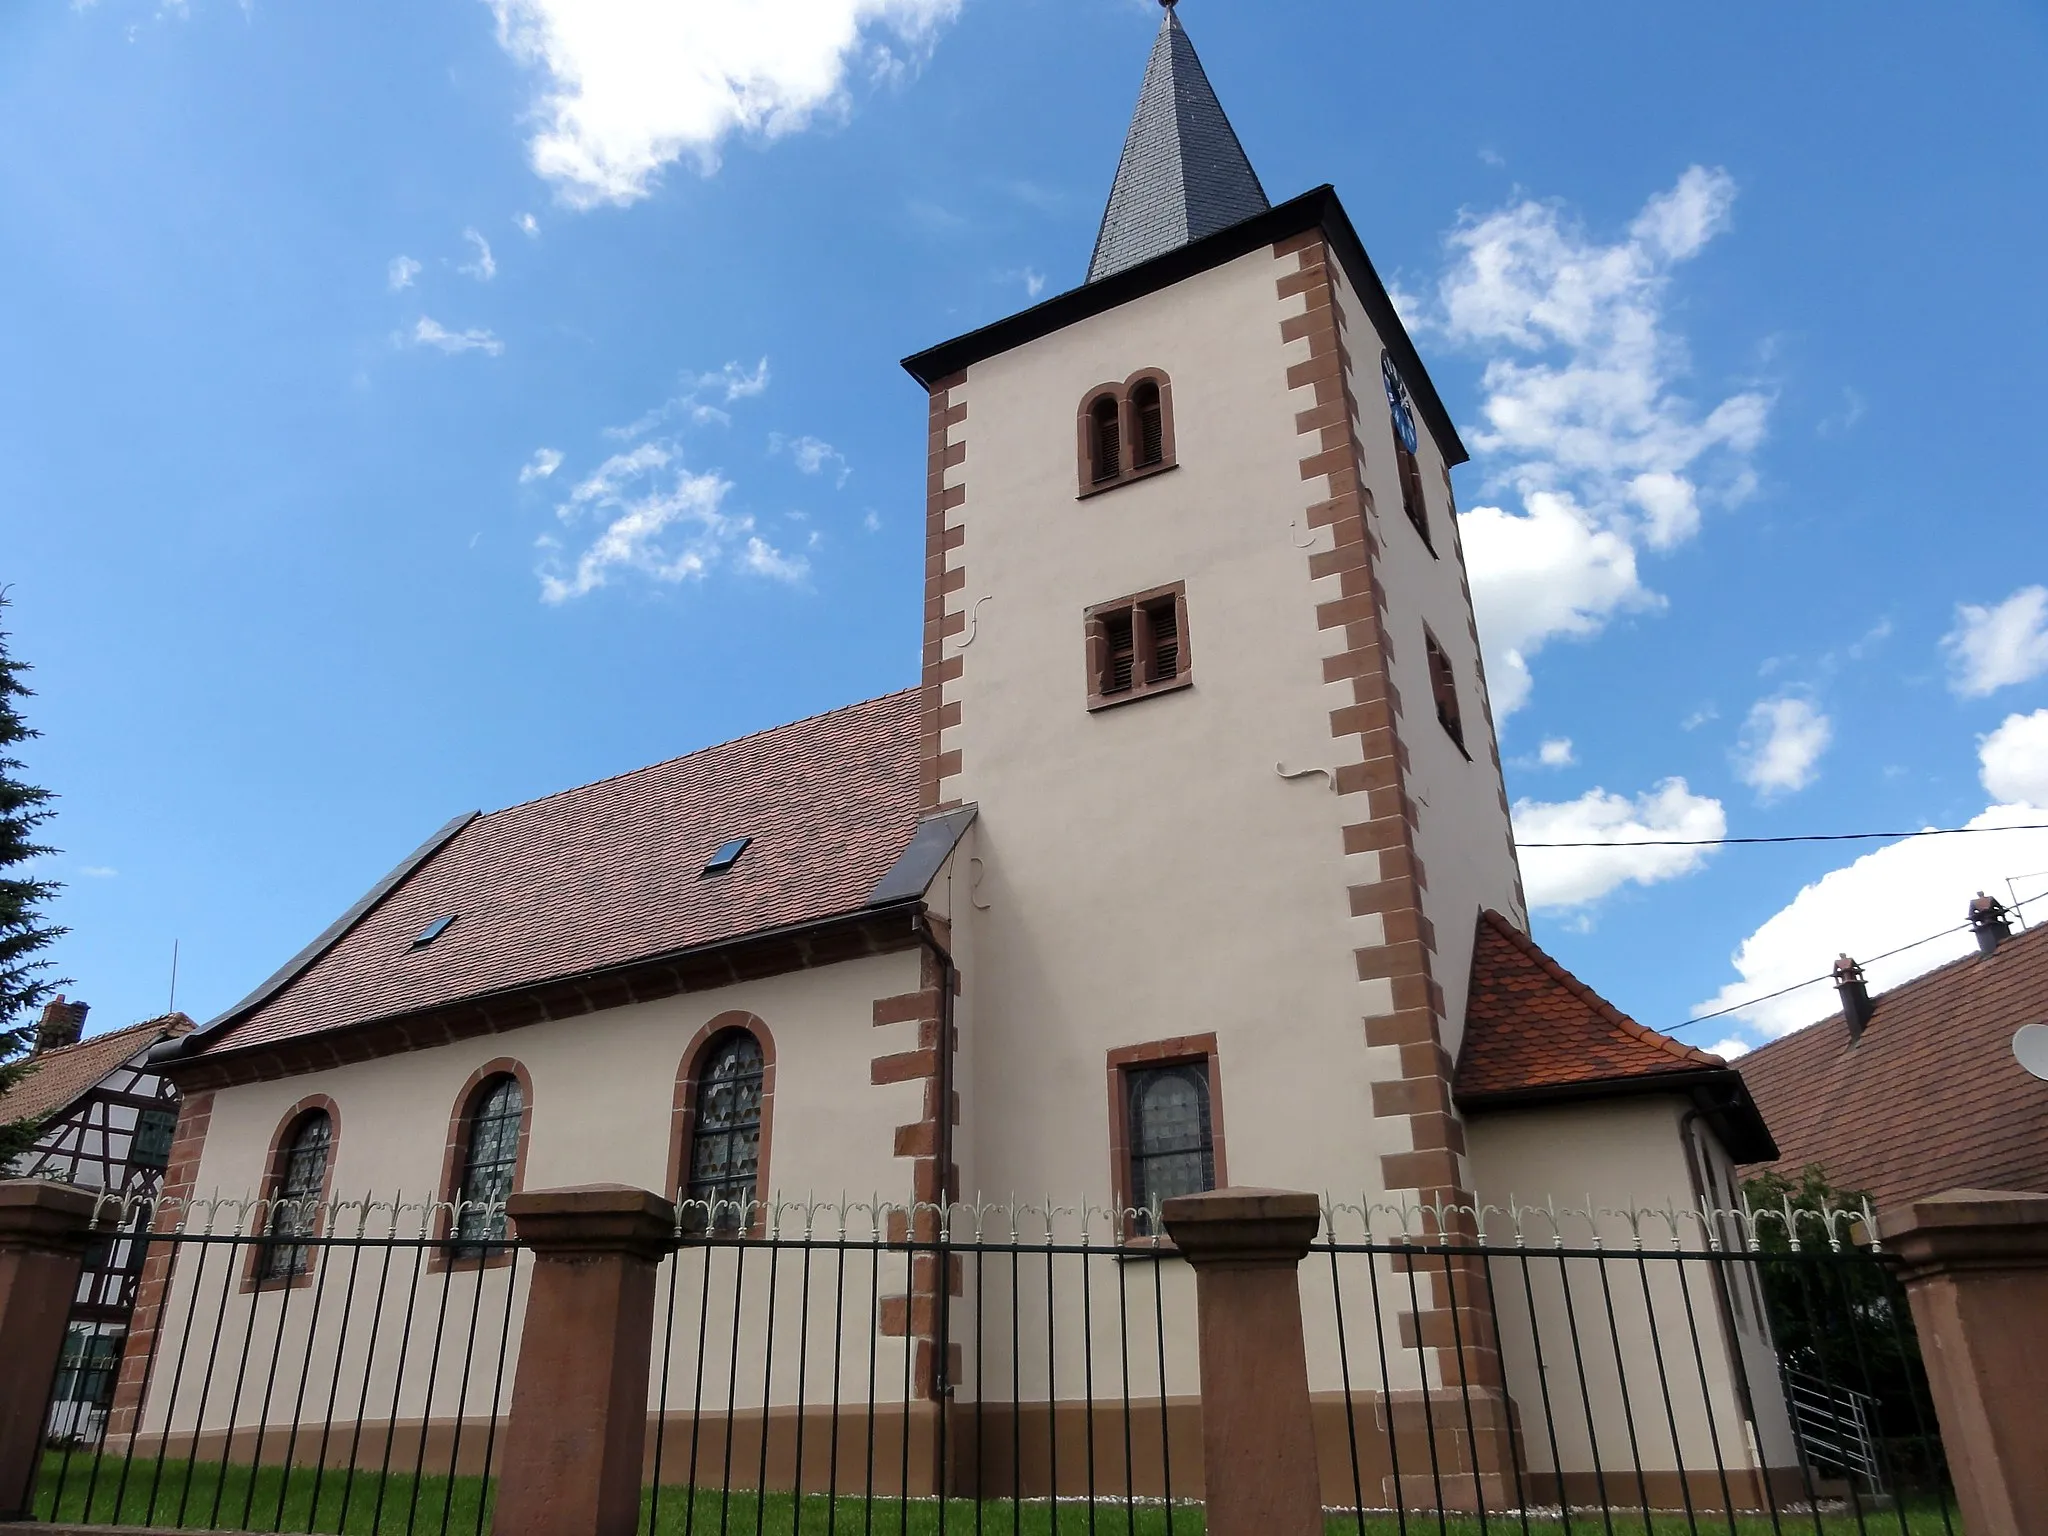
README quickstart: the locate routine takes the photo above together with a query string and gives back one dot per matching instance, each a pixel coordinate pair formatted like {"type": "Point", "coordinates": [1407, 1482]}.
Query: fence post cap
{"type": "Point", "coordinates": [40, 1213]}
{"type": "Point", "coordinates": [1969, 1229]}
{"type": "Point", "coordinates": [594, 1219]}
{"type": "Point", "coordinates": [1244, 1225]}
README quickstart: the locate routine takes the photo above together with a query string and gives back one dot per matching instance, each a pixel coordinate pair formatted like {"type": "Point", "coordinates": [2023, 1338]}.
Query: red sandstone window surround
{"type": "Point", "coordinates": [1125, 431]}
{"type": "Point", "coordinates": [1138, 646]}
{"type": "Point", "coordinates": [1443, 683]}
{"type": "Point", "coordinates": [1165, 1125]}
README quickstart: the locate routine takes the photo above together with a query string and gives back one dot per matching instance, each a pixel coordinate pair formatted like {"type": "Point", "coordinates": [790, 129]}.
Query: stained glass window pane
{"type": "Point", "coordinates": [1172, 1150]}
{"type": "Point", "coordinates": [491, 1160]}
{"type": "Point", "coordinates": [294, 1211]}
{"type": "Point", "coordinates": [725, 1135]}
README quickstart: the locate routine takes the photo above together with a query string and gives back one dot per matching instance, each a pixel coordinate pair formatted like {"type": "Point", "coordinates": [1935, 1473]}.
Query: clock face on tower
{"type": "Point", "coordinates": [1397, 403]}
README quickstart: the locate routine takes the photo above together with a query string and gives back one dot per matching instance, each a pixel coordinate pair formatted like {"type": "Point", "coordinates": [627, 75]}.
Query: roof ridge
{"type": "Point", "coordinates": [680, 757]}
{"type": "Point", "coordinates": [161, 1023]}
{"type": "Point", "coordinates": [1677, 1049]}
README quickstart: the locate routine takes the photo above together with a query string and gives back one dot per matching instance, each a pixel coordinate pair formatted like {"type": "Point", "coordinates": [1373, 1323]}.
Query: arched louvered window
{"type": "Point", "coordinates": [298, 1185]}
{"type": "Point", "coordinates": [1148, 420]}
{"type": "Point", "coordinates": [725, 1132]}
{"type": "Point", "coordinates": [1443, 683]}
{"type": "Point", "coordinates": [1105, 440]}
{"type": "Point", "coordinates": [490, 1159]}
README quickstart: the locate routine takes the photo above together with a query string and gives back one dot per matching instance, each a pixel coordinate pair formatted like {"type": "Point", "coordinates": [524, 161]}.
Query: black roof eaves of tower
{"type": "Point", "coordinates": [1316, 209]}
{"type": "Point", "coordinates": [1183, 173]}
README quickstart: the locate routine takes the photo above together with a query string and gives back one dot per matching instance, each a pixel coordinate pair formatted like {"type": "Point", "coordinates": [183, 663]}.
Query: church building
{"type": "Point", "coordinates": [1186, 861]}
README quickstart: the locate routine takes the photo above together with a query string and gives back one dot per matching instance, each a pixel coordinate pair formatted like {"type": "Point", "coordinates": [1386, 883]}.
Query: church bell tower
{"type": "Point", "coordinates": [1199, 646]}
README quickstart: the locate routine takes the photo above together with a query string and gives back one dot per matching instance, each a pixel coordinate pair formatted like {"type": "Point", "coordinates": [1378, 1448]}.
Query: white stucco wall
{"type": "Point", "coordinates": [1148, 873]}
{"type": "Point", "coordinates": [1611, 1158]}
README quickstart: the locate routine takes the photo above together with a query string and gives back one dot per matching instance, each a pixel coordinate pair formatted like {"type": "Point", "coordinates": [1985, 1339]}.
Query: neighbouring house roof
{"type": "Point", "coordinates": [1930, 1098]}
{"type": "Point", "coordinates": [1536, 1034]}
{"type": "Point", "coordinates": [1183, 174]}
{"type": "Point", "coordinates": [58, 1079]}
{"type": "Point", "coordinates": [602, 876]}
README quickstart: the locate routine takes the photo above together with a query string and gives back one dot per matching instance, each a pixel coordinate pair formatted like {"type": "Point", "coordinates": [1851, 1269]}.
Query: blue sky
{"type": "Point", "coordinates": [323, 314]}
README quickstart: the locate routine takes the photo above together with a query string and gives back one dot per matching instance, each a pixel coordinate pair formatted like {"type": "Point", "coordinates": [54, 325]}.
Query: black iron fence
{"type": "Point", "coordinates": [1025, 1368]}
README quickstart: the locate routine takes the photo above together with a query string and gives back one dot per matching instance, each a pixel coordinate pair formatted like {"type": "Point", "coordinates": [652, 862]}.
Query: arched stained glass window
{"type": "Point", "coordinates": [1173, 1150]}
{"type": "Point", "coordinates": [490, 1158]}
{"type": "Point", "coordinates": [725, 1131]}
{"type": "Point", "coordinates": [299, 1182]}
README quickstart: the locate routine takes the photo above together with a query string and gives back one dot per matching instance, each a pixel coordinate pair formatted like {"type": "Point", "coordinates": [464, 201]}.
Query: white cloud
{"type": "Point", "coordinates": [1580, 420]}
{"type": "Point", "coordinates": [485, 266]}
{"type": "Point", "coordinates": [2013, 760]}
{"type": "Point", "coordinates": [645, 511]}
{"type": "Point", "coordinates": [1901, 892]}
{"type": "Point", "coordinates": [1991, 648]}
{"type": "Point", "coordinates": [545, 462]}
{"type": "Point", "coordinates": [872, 521]}
{"type": "Point", "coordinates": [812, 456]}
{"type": "Point", "coordinates": [763, 559]}
{"type": "Point", "coordinates": [1556, 752]}
{"type": "Point", "coordinates": [428, 332]}
{"type": "Point", "coordinates": [1572, 877]}
{"type": "Point", "coordinates": [98, 871]}
{"type": "Point", "coordinates": [1547, 571]}
{"type": "Point", "coordinates": [1729, 1049]}
{"type": "Point", "coordinates": [732, 383]}
{"type": "Point", "coordinates": [658, 519]}
{"type": "Point", "coordinates": [1782, 743]}
{"type": "Point", "coordinates": [738, 383]}
{"type": "Point", "coordinates": [401, 272]}
{"type": "Point", "coordinates": [634, 85]}
{"type": "Point", "coordinates": [528, 225]}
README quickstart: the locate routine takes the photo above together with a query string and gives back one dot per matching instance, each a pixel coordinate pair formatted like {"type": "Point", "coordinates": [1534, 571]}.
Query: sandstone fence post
{"type": "Point", "coordinates": [44, 1232]}
{"type": "Point", "coordinates": [578, 1426]}
{"type": "Point", "coordinates": [1260, 1476]}
{"type": "Point", "coordinates": [1975, 1263]}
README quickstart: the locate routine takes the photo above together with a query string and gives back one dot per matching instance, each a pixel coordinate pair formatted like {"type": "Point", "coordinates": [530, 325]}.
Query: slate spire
{"type": "Point", "coordinates": [1183, 174]}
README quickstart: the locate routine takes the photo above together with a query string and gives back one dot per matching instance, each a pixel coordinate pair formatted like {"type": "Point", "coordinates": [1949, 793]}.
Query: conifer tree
{"type": "Point", "coordinates": [23, 931]}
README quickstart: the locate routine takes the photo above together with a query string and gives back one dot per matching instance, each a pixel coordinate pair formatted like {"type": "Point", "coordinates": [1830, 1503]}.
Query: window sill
{"type": "Point", "coordinates": [1127, 478]}
{"type": "Point", "coordinates": [1101, 701]}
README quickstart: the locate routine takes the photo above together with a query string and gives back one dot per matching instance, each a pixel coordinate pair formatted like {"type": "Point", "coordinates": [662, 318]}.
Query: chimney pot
{"type": "Point", "coordinates": [61, 1024]}
{"type": "Point", "coordinates": [1856, 1005]}
{"type": "Point", "coordinates": [1989, 922]}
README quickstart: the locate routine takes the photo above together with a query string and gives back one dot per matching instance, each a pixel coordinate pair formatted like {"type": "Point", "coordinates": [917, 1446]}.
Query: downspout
{"type": "Point", "coordinates": [949, 976]}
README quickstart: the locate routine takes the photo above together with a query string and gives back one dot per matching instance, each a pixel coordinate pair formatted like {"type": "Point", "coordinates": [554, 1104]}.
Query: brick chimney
{"type": "Point", "coordinates": [1856, 1005]}
{"type": "Point", "coordinates": [1988, 921]}
{"type": "Point", "coordinates": [61, 1025]}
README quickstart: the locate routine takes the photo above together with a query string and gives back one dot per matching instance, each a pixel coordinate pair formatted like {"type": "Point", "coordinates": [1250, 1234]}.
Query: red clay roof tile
{"type": "Point", "coordinates": [1530, 1024]}
{"type": "Point", "coordinates": [608, 873]}
{"type": "Point", "coordinates": [1930, 1098]}
{"type": "Point", "coordinates": [60, 1078]}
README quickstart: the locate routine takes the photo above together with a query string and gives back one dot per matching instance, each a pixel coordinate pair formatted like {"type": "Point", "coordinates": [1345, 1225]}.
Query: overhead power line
{"type": "Point", "coordinates": [1829, 975]}
{"type": "Point", "coordinates": [1802, 837]}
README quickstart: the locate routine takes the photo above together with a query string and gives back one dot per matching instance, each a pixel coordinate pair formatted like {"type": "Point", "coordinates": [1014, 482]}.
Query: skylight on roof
{"type": "Point", "coordinates": [728, 855]}
{"type": "Point", "coordinates": [433, 931]}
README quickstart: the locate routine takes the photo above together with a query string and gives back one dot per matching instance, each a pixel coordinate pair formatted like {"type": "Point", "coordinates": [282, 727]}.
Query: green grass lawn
{"type": "Point", "coordinates": [201, 1495]}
